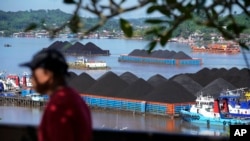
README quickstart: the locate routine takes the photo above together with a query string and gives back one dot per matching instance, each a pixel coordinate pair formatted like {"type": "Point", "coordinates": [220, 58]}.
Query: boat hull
{"type": "Point", "coordinates": [198, 118]}
{"type": "Point", "coordinates": [240, 115]}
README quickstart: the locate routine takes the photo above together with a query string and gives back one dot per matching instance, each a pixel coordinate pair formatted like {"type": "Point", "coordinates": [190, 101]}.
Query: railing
{"type": "Point", "coordinates": [12, 132]}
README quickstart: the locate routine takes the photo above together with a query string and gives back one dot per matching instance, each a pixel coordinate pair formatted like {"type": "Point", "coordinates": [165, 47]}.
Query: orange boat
{"type": "Point", "coordinates": [199, 49]}
{"type": "Point", "coordinates": [218, 48]}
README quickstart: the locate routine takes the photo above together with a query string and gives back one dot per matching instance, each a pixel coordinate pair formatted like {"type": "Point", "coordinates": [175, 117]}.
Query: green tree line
{"type": "Point", "coordinates": [11, 22]}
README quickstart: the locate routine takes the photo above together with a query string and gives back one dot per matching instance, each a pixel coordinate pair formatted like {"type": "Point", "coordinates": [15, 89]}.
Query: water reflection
{"type": "Point", "coordinates": [203, 129]}
{"type": "Point", "coordinates": [117, 120]}
{"type": "Point", "coordinates": [20, 115]}
{"type": "Point", "coordinates": [120, 120]}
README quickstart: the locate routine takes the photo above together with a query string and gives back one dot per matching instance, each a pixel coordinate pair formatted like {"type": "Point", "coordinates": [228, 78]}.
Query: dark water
{"type": "Point", "coordinates": [23, 49]}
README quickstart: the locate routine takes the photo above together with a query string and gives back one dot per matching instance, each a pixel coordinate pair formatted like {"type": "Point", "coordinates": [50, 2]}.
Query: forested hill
{"type": "Point", "coordinates": [11, 22]}
{"type": "Point", "coordinates": [17, 21]}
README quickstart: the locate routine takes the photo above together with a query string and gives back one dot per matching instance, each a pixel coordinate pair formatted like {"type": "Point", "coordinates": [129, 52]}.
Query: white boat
{"type": "Point", "coordinates": [207, 110]}
{"type": "Point", "coordinates": [35, 97]}
{"type": "Point", "coordinates": [83, 63]}
{"type": "Point", "coordinates": [9, 82]}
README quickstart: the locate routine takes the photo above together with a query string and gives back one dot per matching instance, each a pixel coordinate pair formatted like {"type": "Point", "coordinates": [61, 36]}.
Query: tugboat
{"type": "Point", "coordinates": [208, 110]}
{"type": "Point", "coordinates": [236, 102]}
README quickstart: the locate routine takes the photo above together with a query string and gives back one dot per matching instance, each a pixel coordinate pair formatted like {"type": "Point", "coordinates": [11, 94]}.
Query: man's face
{"type": "Point", "coordinates": [41, 80]}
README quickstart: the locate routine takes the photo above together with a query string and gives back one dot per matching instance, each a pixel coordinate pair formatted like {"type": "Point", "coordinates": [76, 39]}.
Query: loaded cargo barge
{"type": "Point", "coordinates": [137, 59]}
{"type": "Point", "coordinates": [114, 92]}
{"type": "Point", "coordinates": [160, 57]}
{"type": "Point", "coordinates": [136, 106]}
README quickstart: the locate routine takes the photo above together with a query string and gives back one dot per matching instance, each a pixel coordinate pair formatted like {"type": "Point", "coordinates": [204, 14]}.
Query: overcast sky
{"type": "Point", "coordinates": [23, 5]}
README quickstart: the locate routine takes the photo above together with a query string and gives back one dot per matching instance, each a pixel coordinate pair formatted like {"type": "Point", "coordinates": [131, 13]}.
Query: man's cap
{"type": "Point", "coordinates": [50, 59]}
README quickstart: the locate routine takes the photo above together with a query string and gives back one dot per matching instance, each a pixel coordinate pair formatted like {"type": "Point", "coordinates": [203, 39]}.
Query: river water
{"type": "Point", "coordinates": [116, 120]}
{"type": "Point", "coordinates": [22, 50]}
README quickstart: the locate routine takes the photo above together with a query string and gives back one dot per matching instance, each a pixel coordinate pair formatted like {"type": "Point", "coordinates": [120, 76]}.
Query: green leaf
{"type": "Point", "coordinates": [126, 27]}
{"type": "Point", "coordinates": [163, 10]}
{"type": "Point", "coordinates": [163, 41]}
{"type": "Point", "coordinates": [237, 29]}
{"type": "Point", "coordinates": [244, 46]}
{"type": "Point", "coordinates": [215, 14]}
{"type": "Point", "coordinates": [247, 3]}
{"type": "Point", "coordinates": [151, 31]}
{"type": "Point", "coordinates": [74, 24]}
{"type": "Point", "coordinates": [171, 1]}
{"type": "Point", "coordinates": [30, 27]}
{"type": "Point", "coordinates": [151, 9]}
{"type": "Point", "coordinates": [69, 1]}
{"type": "Point", "coordinates": [154, 21]}
{"type": "Point", "coordinates": [230, 26]}
{"type": "Point", "coordinates": [151, 46]}
{"type": "Point", "coordinates": [153, 1]}
{"type": "Point", "coordinates": [166, 37]}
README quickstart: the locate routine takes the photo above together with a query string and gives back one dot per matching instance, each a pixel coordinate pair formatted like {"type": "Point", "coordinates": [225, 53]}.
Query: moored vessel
{"type": "Point", "coordinates": [229, 48]}
{"type": "Point", "coordinates": [83, 63]}
{"type": "Point", "coordinates": [235, 102]}
{"type": "Point", "coordinates": [209, 111]}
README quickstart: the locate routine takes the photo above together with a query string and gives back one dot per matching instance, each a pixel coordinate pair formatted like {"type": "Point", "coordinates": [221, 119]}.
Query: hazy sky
{"type": "Point", "coordinates": [17, 5]}
{"type": "Point", "coordinates": [22, 5]}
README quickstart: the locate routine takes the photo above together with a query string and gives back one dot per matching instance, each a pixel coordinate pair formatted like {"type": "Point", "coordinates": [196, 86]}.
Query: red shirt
{"type": "Point", "coordinates": [66, 118]}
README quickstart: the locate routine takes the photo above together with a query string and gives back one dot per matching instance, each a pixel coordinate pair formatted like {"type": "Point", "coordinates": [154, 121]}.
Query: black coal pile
{"type": "Point", "coordinates": [82, 82]}
{"type": "Point", "coordinates": [156, 80]}
{"type": "Point", "coordinates": [179, 88]}
{"type": "Point", "coordinates": [138, 52]}
{"type": "Point", "coordinates": [71, 76]}
{"type": "Point", "coordinates": [164, 54]}
{"type": "Point", "coordinates": [202, 77]}
{"type": "Point", "coordinates": [170, 92]}
{"type": "Point", "coordinates": [181, 55]}
{"type": "Point", "coordinates": [79, 48]}
{"type": "Point", "coordinates": [108, 84]}
{"type": "Point", "coordinates": [216, 87]}
{"type": "Point", "coordinates": [60, 45]}
{"type": "Point", "coordinates": [136, 90]}
{"type": "Point", "coordinates": [128, 77]}
{"type": "Point", "coordinates": [238, 78]}
{"type": "Point", "coordinates": [76, 49]}
{"type": "Point", "coordinates": [95, 49]}
{"type": "Point", "coordinates": [187, 82]}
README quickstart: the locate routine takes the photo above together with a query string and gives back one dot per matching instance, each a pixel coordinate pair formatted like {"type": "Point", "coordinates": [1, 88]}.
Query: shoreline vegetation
{"type": "Point", "coordinates": [192, 33]}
